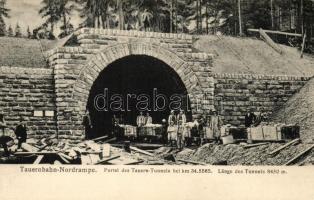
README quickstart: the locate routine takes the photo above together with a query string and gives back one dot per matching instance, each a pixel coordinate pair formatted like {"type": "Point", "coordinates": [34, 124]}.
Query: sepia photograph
{"type": "Point", "coordinates": [156, 82]}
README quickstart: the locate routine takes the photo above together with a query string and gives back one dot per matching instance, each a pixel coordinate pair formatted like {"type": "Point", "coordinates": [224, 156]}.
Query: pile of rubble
{"type": "Point", "coordinates": [90, 152]}
{"type": "Point", "coordinates": [297, 153]}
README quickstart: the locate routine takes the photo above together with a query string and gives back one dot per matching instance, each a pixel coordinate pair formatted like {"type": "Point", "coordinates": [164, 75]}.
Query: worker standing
{"type": "Point", "coordinates": [172, 118]}
{"type": "Point", "coordinates": [148, 119]}
{"type": "Point", "coordinates": [181, 119]}
{"type": "Point", "coordinates": [140, 120]}
{"type": "Point", "coordinates": [172, 133]}
{"type": "Point", "coordinates": [2, 123]}
{"type": "Point", "coordinates": [21, 133]}
{"type": "Point", "coordinates": [164, 131]}
{"type": "Point", "coordinates": [215, 125]}
{"type": "Point", "coordinates": [250, 118]}
{"type": "Point", "coordinates": [87, 123]}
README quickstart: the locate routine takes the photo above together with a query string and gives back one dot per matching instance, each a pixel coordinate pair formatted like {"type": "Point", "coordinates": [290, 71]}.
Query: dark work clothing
{"type": "Point", "coordinates": [21, 134]}
{"type": "Point", "coordinates": [86, 121]}
{"type": "Point", "coordinates": [88, 125]}
{"type": "Point", "coordinates": [118, 132]}
{"type": "Point", "coordinates": [3, 142]}
{"type": "Point", "coordinates": [249, 119]}
{"type": "Point", "coordinates": [164, 133]}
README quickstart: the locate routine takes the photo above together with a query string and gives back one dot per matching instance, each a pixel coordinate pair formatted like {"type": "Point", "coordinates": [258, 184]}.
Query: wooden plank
{"type": "Point", "coordinates": [86, 160]}
{"type": "Point", "coordinates": [100, 138]}
{"type": "Point", "coordinates": [146, 145]}
{"type": "Point", "coordinates": [106, 150]}
{"type": "Point", "coordinates": [191, 162]}
{"type": "Point", "coordinates": [29, 148]}
{"type": "Point", "coordinates": [38, 159]}
{"type": "Point", "coordinates": [35, 153]}
{"type": "Point", "coordinates": [110, 140]}
{"type": "Point", "coordinates": [135, 163]}
{"type": "Point", "coordinates": [270, 42]}
{"type": "Point", "coordinates": [94, 158]}
{"type": "Point", "coordinates": [277, 32]}
{"type": "Point", "coordinates": [57, 162]}
{"type": "Point", "coordinates": [284, 146]}
{"type": "Point", "coordinates": [65, 156]}
{"type": "Point", "coordinates": [64, 159]}
{"type": "Point", "coordinates": [43, 147]}
{"type": "Point", "coordinates": [303, 45]}
{"type": "Point", "coordinates": [141, 151]}
{"type": "Point", "coordinates": [255, 145]}
{"type": "Point", "coordinates": [106, 160]}
{"type": "Point", "coordinates": [299, 155]}
{"type": "Point", "coordinates": [140, 145]}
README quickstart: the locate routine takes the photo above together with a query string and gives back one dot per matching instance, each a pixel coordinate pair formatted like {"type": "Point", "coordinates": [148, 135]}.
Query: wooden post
{"type": "Point", "coordinates": [272, 14]}
{"type": "Point", "coordinates": [240, 18]}
{"type": "Point", "coordinates": [302, 17]}
{"type": "Point", "coordinates": [171, 16]}
{"type": "Point", "coordinates": [303, 45]}
{"type": "Point", "coordinates": [270, 42]}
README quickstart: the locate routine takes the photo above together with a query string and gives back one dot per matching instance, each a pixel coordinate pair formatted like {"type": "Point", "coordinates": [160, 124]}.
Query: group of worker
{"type": "Point", "coordinates": [175, 129]}
{"type": "Point", "coordinates": [178, 135]}
{"type": "Point", "coordinates": [142, 120]}
{"type": "Point", "coordinates": [7, 141]}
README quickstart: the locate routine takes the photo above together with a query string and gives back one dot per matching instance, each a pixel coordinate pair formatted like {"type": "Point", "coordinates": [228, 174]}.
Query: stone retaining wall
{"type": "Point", "coordinates": [23, 92]}
{"type": "Point", "coordinates": [234, 94]}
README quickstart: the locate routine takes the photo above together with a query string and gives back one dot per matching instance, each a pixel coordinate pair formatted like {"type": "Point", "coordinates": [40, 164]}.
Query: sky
{"type": "Point", "coordinates": [25, 12]}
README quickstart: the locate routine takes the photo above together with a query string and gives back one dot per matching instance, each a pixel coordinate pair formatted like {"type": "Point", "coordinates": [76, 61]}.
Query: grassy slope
{"type": "Point", "coordinates": [21, 52]}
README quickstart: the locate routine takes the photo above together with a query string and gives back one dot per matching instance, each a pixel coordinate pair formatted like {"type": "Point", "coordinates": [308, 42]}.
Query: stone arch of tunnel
{"type": "Point", "coordinates": [134, 84]}
{"type": "Point", "coordinates": [92, 72]}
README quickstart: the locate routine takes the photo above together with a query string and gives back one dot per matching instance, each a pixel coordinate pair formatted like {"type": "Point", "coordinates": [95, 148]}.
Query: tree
{"type": "Point", "coordinates": [10, 31]}
{"type": "Point", "coordinates": [29, 34]}
{"type": "Point", "coordinates": [63, 12]}
{"type": "Point", "coordinates": [4, 13]}
{"type": "Point", "coordinates": [49, 11]}
{"type": "Point", "coordinates": [18, 32]}
{"type": "Point", "coordinates": [3, 31]}
{"type": "Point", "coordinates": [95, 12]}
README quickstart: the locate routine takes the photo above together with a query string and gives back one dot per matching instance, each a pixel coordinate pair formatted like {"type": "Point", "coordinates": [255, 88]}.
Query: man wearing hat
{"type": "Point", "coordinates": [172, 118]}
{"type": "Point", "coordinates": [215, 124]}
{"type": "Point", "coordinates": [140, 120]}
{"type": "Point", "coordinates": [148, 119]}
{"type": "Point", "coordinates": [250, 118]}
{"type": "Point", "coordinates": [181, 119]}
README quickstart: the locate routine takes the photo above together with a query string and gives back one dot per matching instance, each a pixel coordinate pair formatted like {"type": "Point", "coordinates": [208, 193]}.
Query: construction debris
{"type": "Point", "coordinates": [299, 155]}
{"type": "Point", "coordinates": [255, 145]}
{"type": "Point", "coordinates": [286, 145]}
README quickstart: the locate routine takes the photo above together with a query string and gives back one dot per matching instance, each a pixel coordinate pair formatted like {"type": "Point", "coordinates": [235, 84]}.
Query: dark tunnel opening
{"type": "Point", "coordinates": [131, 85]}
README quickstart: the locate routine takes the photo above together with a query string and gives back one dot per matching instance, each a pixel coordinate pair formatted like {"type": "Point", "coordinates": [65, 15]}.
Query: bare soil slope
{"type": "Point", "coordinates": [300, 109]}
{"type": "Point", "coordinates": [253, 56]}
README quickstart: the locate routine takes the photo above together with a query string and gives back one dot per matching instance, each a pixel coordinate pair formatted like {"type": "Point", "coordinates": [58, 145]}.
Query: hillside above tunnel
{"type": "Point", "coordinates": [234, 55]}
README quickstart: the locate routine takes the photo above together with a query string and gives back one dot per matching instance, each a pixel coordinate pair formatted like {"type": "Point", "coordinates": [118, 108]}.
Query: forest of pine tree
{"type": "Point", "coordinates": [228, 17]}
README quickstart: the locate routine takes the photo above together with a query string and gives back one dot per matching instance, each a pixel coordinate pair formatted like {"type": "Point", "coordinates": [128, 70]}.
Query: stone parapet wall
{"type": "Point", "coordinates": [235, 93]}
{"type": "Point", "coordinates": [24, 91]}
{"type": "Point", "coordinates": [94, 38]}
